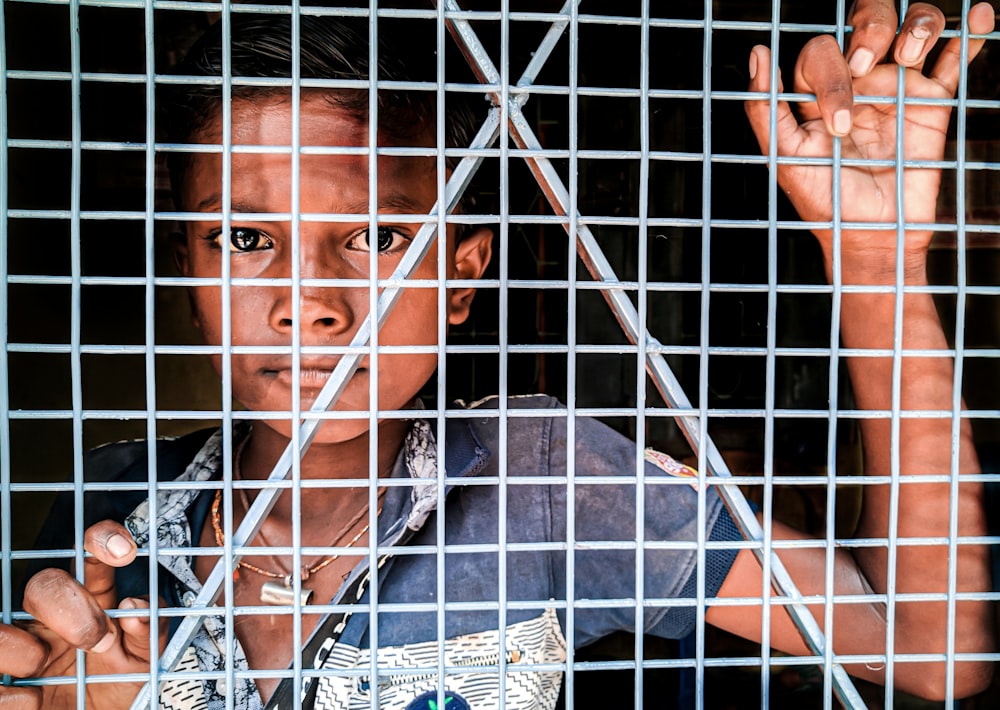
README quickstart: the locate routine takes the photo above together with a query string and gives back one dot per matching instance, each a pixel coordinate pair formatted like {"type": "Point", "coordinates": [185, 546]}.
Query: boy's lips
{"type": "Point", "coordinates": [313, 374]}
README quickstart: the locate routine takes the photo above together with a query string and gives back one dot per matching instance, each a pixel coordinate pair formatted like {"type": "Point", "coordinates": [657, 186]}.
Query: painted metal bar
{"type": "Point", "coordinates": [638, 647]}
{"type": "Point", "coordinates": [224, 567]}
{"type": "Point", "coordinates": [833, 395]}
{"type": "Point", "coordinates": [6, 532]}
{"type": "Point", "coordinates": [572, 350]}
{"type": "Point", "coordinates": [295, 409]}
{"type": "Point", "coordinates": [704, 330]}
{"type": "Point", "coordinates": [76, 318]}
{"type": "Point", "coordinates": [961, 281]}
{"type": "Point", "coordinates": [149, 238]}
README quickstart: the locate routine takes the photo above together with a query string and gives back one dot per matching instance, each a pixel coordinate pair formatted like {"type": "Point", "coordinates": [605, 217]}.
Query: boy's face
{"type": "Point", "coordinates": [259, 246]}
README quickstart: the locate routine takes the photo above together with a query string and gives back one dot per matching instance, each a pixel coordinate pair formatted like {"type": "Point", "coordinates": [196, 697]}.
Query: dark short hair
{"type": "Point", "coordinates": [330, 48]}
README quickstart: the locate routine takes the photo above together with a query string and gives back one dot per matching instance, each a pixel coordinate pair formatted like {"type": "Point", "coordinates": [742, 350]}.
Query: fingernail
{"type": "Point", "coordinates": [105, 643]}
{"type": "Point", "coordinates": [911, 49]}
{"type": "Point", "coordinates": [753, 66]}
{"type": "Point", "coordinates": [118, 546]}
{"type": "Point", "coordinates": [842, 122]}
{"type": "Point", "coordinates": [128, 603]}
{"type": "Point", "coordinates": [861, 61]}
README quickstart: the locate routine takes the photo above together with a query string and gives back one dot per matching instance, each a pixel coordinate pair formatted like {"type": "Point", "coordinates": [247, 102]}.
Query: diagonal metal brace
{"type": "Point", "coordinates": [656, 365]}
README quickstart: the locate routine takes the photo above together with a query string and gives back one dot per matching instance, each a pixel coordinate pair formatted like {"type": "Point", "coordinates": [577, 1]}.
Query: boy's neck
{"type": "Point", "coordinates": [341, 460]}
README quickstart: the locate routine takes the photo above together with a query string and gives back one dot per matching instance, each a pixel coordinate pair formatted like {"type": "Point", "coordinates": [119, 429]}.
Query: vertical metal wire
{"type": "Point", "coordinates": [76, 365]}
{"type": "Point", "coordinates": [572, 313]}
{"type": "Point", "coordinates": [770, 361]}
{"type": "Point", "coordinates": [440, 140]}
{"type": "Point", "coordinates": [833, 393]}
{"type": "Point", "coordinates": [959, 362]}
{"type": "Point", "coordinates": [150, 330]}
{"type": "Point", "coordinates": [226, 405]}
{"type": "Point", "coordinates": [641, 346]}
{"type": "Point", "coordinates": [504, 336]}
{"type": "Point", "coordinates": [703, 335]}
{"type": "Point", "coordinates": [298, 325]}
{"type": "Point", "coordinates": [374, 404]}
{"type": "Point", "coordinates": [772, 234]}
{"type": "Point", "coordinates": [6, 541]}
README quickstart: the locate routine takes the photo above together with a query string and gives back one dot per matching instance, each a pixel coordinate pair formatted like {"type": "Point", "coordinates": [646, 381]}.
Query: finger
{"type": "Point", "coordinates": [111, 546]}
{"type": "Point", "coordinates": [874, 23]}
{"type": "Point", "coordinates": [948, 67]}
{"type": "Point", "coordinates": [759, 110]}
{"type": "Point", "coordinates": [135, 629]}
{"type": "Point", "coordinates": [20, 699]}
{"type": "Point", "coordinates": [919, 33]}
{"type": "Point", "coordinates": [65, 606]}
{"type": "Point", "coordinates": [22, 654]}
{"type": "Point", "coordinates": [822, 70]}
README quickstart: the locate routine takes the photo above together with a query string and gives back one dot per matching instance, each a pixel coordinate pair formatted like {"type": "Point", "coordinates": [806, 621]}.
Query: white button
{"type": "Point", "coordinates": [221, 687]}
{"type": "Point", "coordinates": [187, 599]}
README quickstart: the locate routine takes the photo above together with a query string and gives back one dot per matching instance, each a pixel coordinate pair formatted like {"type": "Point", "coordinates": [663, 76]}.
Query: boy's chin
{"type": "Point", "coordinates": [330, 431]}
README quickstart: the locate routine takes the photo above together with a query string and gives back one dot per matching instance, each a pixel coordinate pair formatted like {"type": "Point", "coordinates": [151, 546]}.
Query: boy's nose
{"type": "Point", "coordinates": [323, 311]}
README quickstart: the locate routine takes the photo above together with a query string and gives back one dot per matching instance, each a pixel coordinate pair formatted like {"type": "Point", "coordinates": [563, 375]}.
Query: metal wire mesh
{"type": "Point", "coordinates": [626, 156]}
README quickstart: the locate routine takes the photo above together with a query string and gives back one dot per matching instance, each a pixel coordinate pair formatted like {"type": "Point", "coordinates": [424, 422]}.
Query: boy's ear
{"type": "Point", "coordinates": [472, 256]}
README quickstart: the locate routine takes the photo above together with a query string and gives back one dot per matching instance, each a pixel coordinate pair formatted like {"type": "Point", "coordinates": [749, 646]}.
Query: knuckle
{"type": "Point", "coordinates": [874, 15]}
{"type": "Point", "coordinates": [876, 23]}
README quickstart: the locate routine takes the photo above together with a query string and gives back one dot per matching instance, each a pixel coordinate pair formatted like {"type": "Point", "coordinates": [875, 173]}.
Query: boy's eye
{"type": "Point", "coordinates": [389, 240]}
{"type": "Point", "coordinates": [243, 239]}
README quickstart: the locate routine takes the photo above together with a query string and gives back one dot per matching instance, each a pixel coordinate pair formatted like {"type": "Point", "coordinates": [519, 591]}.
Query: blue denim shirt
{"type": "Point", "coordinates": [521, 500]}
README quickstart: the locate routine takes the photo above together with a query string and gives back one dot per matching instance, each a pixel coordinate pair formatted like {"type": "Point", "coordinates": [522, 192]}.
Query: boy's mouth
{"type": "Point", "coordinates": [313, 374]}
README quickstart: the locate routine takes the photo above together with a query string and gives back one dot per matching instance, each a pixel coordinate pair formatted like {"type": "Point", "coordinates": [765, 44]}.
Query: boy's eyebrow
{"type": "Point", "coordinates": [393, 200]}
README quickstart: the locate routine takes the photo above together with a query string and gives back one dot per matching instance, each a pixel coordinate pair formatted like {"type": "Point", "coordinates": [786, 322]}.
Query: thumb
{"type": "Point", "coordinates": [759, 109]}
{"type": "Point", "coordinates": [136, 628]}
{"type": "Point", "coordinates": [111, 546]}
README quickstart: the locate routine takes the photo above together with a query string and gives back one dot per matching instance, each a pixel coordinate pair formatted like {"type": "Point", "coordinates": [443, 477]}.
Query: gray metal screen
{"type": "Point", "coordinates": [646, 272]}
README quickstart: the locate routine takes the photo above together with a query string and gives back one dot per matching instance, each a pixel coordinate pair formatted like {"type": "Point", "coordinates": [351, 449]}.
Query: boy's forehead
{"type": "Point", "coordinates": [329, 182]}
{"type": "Point", "coordinates": [268, 120]}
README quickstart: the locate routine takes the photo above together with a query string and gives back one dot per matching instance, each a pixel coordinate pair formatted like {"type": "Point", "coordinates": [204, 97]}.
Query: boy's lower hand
{"type": "Point", "coordinates": [69, 616]}
{"type": "Point", "coordinates": [868, 131]}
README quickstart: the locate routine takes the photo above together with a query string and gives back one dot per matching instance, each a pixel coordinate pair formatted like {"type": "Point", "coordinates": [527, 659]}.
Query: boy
{"type": "Point", "coordinates": [334, 245]}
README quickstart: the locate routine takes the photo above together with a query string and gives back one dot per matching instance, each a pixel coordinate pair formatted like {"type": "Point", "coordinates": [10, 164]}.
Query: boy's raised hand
{"type": "Point", "coordinates": [868, 131]}
{"type": "Point", "coordinates": [69, 616]}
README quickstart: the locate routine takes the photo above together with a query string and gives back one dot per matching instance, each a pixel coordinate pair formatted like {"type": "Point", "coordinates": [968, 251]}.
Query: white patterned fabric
{"type": "Point", "coordinates": [528, 643]}
{"type": "Point", "coordinates": [184, 693]}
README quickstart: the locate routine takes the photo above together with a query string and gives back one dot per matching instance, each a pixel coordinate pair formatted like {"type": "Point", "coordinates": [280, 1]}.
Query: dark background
{"type": "Point", "coordinates": [609, 55]}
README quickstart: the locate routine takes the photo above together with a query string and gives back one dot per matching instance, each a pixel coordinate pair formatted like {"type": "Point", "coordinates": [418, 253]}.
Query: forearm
{"type": "Point", "coordinates": [923, 446]}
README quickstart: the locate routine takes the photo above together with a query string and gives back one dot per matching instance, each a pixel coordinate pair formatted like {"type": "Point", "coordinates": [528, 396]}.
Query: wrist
{"type": "Point", "coordinates": [871, 258]}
